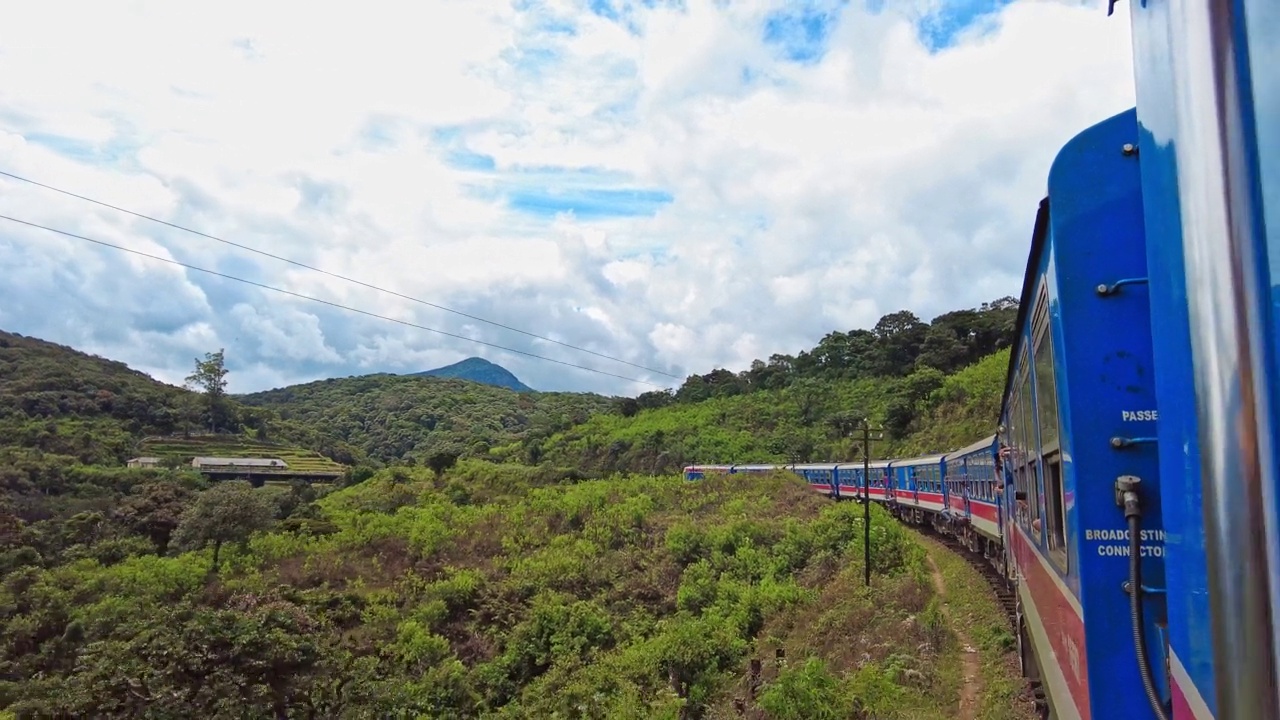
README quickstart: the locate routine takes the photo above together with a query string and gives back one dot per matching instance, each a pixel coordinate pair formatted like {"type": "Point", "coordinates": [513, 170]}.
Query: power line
{"type": "Point", "coordinates": [325, 302]}
{"type": "Point", "coordinates": [330, 274]}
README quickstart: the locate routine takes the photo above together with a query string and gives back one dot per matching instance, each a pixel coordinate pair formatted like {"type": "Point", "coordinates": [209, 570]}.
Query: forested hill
{"type": "Point", "coordinates": [58, 400]}
{"type": "Point", "coordinates": [931, 386]}
{"type": "Point", "coordinates": [479, 370]}
{"type": "Point", "coordinates": [405, 417]}
{"type": "Point", "coordinates": [788, 407]}
{"type": "Point", "coordinates": [810, 420]}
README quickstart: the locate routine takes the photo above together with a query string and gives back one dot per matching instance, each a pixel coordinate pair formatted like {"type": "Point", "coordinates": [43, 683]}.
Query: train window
{"type": "Point", "coordinates": [1046, 388]}
{"type": "Point", "coordinates": [1053, 498]}
{"type": "Point", "coordinates": [1047, 422]}
{"type": "Point", "coordinates": [985, 479]}
{"type": "Point", "coordinates": [1027, 455]}
{"type": "Point", "coordinates": [989, 465]}
{"type": "Point", "coordinates": [1013, 460]}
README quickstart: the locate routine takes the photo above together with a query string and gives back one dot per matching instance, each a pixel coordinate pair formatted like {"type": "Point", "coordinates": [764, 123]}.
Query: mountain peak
{"type": "Point", "coordinates": [479, 370]}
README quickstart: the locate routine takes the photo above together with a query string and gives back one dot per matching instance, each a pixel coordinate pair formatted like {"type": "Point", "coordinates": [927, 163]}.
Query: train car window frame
{"type": "Point", "coordinates": [1027, 460]}
{"type": "Point", "coordinates": [1031, 459]}
{"type": "Point", "coordinates": [1018, 469]}
{"type": "Point", "coordinates": [1048, 418]}
{"type": "Point", "coordinates": [1015, 446]}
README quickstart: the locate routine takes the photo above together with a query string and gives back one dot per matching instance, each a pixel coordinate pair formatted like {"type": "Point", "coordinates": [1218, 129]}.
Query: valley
{"type": "Point", "coordinates": [449, 549]}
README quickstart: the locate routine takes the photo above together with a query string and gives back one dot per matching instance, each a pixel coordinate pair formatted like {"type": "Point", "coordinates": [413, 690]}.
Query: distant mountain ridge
{"type": "Point", "coordinates": [479, 370]}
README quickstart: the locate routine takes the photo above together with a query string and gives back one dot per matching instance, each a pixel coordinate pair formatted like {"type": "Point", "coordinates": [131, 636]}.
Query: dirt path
{"type": "Point", "coordinates": [972, 686]}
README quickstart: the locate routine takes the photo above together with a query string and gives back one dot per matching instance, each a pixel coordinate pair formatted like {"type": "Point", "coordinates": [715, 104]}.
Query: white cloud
{"type": "Point", "coordinates": [727, 203]}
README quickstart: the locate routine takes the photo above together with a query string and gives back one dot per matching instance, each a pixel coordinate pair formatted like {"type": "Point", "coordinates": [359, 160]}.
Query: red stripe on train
{"type": "Point", "coordinates": [1062, 625]}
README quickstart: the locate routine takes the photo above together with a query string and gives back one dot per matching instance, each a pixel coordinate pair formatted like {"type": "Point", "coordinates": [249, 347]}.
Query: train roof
{"type": "Point", "coordinates": [983, 444]}
{"type": "Point", "coordinates": [922, 460]}
{"type": "Point", "coordinates": [857, 464]}
{"type": "Point", "coordinates": [1039, 236]}
{"type": "Point", "coordinates": [849, 464]}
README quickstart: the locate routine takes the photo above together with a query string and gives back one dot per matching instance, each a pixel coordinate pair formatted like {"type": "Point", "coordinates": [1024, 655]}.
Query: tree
{"type": "Point", "coordinates": [654, 399]}
{"type": "Point", "coordinates": [441, 460]}
{"type": "Point", "coordinates": [227, 512]}
{"type": "Point", "coordinates": [628, 407]}
{"type": "Point", "coordinates": [900, 336]}
{"type": "Point", "coordinates": [210, 377]}
{"type": "Point", "coordinates": [155, 509]}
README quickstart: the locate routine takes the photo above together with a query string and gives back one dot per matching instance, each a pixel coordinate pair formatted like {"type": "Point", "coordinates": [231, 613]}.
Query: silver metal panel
{"type": "Point", "coordinates": [1228, 325]}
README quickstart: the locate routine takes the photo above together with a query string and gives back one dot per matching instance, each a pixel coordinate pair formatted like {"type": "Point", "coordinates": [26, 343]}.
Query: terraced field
{"type": "Point", "coordinates": [300, 461]}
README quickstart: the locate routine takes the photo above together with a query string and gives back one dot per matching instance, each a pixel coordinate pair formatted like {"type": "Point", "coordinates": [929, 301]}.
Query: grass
{"type": "Point", "coordinates": [300, 460]}
{"type": "Point", "coordinates": [889, 649]}
{"type": "Point", "coordinates": [1004, 695]}
{"type": "Point", "coordinates": [886, 647]}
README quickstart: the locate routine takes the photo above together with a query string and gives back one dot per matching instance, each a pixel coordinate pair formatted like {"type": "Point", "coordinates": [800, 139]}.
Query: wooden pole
{"type": "Point", "coordinates": [866, 502]}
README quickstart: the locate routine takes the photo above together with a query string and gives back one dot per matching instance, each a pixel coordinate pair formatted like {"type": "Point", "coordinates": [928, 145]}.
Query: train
{"type": "Point", "coordinates": [1130, 489]}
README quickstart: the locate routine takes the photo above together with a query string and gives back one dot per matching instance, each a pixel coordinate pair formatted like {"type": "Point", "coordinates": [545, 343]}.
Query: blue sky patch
{"type": "Point", "coordinates": [587, 203]}
{"type": "Point", "coordinates": [606, 9]}
{"type": "Point", "coordinates": [623, 11]}
{"type": "Point", "coordinates": [941, 28]}
{"type": "Point", "coordinates": [114, 152]}
{"type": "Point", "coordinates": [467, 160]}
{"type": "Point", "coordinates": [590, 193]}
{"type": "Point", "coordinates": [801, 32]}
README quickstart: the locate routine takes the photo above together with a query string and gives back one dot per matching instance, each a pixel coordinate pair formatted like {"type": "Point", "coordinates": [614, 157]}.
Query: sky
{"type": "Point", "coordinates": [681, 185]}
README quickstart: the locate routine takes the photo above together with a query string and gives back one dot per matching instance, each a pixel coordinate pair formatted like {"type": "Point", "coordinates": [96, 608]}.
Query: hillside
{"type": "Point", "coordinates": [400, 417]}
{"type": "Point", "coordinates": [479, 370]}
{"type": "Point", "coordinates": [905, 375]}
{"type": "Point", "coordinates": [487, 595]}
{"type": "Point", "coordinates": [488, 589]}
{"type": "Point", "coordinates": [61, 401]}
{"type": "Point", "coordinates": [810, 420]}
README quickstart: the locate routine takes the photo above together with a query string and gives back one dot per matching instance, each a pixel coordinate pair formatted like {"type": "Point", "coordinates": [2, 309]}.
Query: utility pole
{"type": "Point", "coordinates": [866, 497]}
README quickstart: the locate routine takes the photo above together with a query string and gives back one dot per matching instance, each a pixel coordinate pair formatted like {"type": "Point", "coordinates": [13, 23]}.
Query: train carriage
{"type": "Point", "coordinates": [1084, 414]}
{"type": "Point", "coordinates": [820, 476]}
{"type": "Point", "coordinates": [971, 493]}
{"type": "Point", "coordinates": [879, 487]}
{"type": "Point", "coordinates": [1211, 174]}
{"type": "Point", "coordinates": [917, 486]}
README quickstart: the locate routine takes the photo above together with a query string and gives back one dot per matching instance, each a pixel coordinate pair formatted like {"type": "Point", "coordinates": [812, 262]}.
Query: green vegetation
{"type": "Point", "coordinates": [810, 420]}
{"type": "Point", "coordinates": [397, 418]}
{"type": "Point", "coordinates": [486, 593]}
{"type": "Point", "coordinates": [486, 553]}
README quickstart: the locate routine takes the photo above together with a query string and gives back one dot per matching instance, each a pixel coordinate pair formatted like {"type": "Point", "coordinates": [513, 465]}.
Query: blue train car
{"type": "Point", "coordinates": [917, 486]}
{"type": "Point", "coordinates": [820, 476]}
{"type": "Point", "coordinates": [1209, 142]}
{"type": "Point", "coordinates": [1085, 415]}
{"type": "Point", "coordinates": [878, 487]}
{"type": "Point", "coordinates": [971, 492]}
